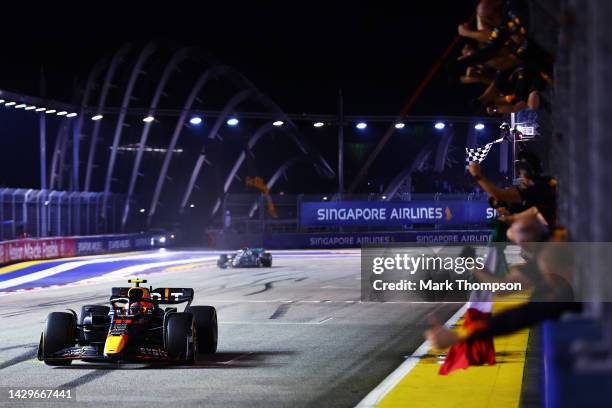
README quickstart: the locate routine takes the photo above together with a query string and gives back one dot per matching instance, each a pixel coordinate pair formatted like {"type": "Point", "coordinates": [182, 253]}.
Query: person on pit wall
{"type": "Point", "coordinates": [555, 264]}
{"type": "Point", "coordinates": [535, 189]}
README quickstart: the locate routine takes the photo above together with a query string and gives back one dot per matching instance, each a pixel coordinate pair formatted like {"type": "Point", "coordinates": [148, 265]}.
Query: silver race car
{"type": "Point", "coordinates": [246, 258]}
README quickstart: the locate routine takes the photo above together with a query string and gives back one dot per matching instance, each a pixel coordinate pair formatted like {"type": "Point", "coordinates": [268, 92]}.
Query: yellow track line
{"type": "Point", "coordinates": [185, 266]}
{"type": "Point", "coordinates": [22, 265]}
{"type": "Point", "coordinates": [480, 386]}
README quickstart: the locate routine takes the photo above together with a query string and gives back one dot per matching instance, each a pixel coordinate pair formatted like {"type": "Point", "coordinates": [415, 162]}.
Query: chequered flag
{"type": "Point", "coordinates": [478, 154]}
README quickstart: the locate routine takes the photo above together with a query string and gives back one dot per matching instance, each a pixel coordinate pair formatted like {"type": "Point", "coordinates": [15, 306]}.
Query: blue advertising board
{"type": "Point", "coordinates": [112, 243]}
{"type": "Point", "coordinates": [394, 213]}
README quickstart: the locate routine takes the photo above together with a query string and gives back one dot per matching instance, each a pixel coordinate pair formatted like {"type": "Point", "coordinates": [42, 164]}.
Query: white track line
{"type": "Point", "coordinates": [135, 269]}
{"type": "Point", "coordinates": [377, 394]}
{"type": "Point", "coordinates": [69, 265]}
{"type": "Point", "coordinates": [111, 276]}
{"type": "Point", "coordinates": [267, 323]}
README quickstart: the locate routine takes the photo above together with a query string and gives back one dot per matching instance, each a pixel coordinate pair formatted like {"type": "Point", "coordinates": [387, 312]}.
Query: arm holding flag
{"type": "Point", "coordinates": [514, 275]}
{"type": "Point", "coordinates": [506, 322]}
{"type": "Point", "coordinates": [510, 195]}
{"type": "Point", "coordinates": [530, 212]}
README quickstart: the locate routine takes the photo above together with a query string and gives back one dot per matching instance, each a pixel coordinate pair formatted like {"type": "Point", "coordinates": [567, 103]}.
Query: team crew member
{"type": "Point", "coordinates": [550, 300]}
{"type": "Point", "coordinates": [535, 190]}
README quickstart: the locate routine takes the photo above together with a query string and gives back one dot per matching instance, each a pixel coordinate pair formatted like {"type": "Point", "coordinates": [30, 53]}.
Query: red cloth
{"type": "Point", "coordinates": [470, 352]}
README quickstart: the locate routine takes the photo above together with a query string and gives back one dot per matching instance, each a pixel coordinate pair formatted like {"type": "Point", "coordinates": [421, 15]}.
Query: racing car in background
{"type": "Point", "coordinates": [246, 258]}
{"type": "Point", "coordinates": [162, 238]}
{"type": "Point", "coordinates": [134, 328]}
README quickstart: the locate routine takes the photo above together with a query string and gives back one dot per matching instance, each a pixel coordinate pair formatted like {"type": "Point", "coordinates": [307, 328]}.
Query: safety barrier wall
{"type": "Point", "coordinates": [230, 240]}
{"type": "Point", "coordinates": [50, 248]}
{"type": "Point", "coordinates": [359, 239]}
{"type": "Point", "coordinates": [32, 249]}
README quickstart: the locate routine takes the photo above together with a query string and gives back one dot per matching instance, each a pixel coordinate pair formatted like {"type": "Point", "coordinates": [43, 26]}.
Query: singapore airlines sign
{"type": "Point", "coordinates": [390, 213]}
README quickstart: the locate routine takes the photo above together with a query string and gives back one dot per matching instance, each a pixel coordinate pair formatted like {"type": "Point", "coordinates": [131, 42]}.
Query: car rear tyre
{"type": "Point", "coordinates": [266, 260]}
{"type": "Point", "coordinates": [58, 334]}
{"type": "Point", "coordinates": [222, 261]}
{"type": "Point", "coordinates": [206, 327]}
{"type": "Point", "coordinates": [181, 337]}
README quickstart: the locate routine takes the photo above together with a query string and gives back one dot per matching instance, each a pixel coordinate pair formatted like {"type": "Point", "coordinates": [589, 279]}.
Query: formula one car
{"type": "Point", "coordinates": [246, 258]}
{"type": "Point", "coordinates": [162, 238]}
{"type": "Point", "coordinates": [132, 329]}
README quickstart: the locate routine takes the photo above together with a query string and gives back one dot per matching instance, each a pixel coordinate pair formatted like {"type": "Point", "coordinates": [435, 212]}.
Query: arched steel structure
{"type": "Point", "coordinates": [262, 130]}
{"type": "Point", "coordinates": [266, 102]}
{"type": "Point", "coordinates": [250, 93]}
{"type": "Point", "coordinates": [406, 175]}
{"type": "Point", "coordinates": [180, 123]}
{"type": "Point", "coordinates": [170, 68]}
{"type": "Point", "coordinates": [107, 75]}
{"type": "Point", "coordinates": [227, 110]}
{"type": "Point", "coordinates": [259, 133]}
{"type": "Point", "coordinates": [62, 132]}
{"type": "Point", "coordinates": [110, 74]}
{"type": "Point", "coordinates": [57, 162]}
{"type": "Point", "coordinates": [281, 171]}
{"type": "Point", "coordinates": [65, 128]}
{"type": "Point", "coordinates": [136, 72]}
{"type": "Point", "coordinates": [437, 147]}
{"type": "Point", "coordinates": [442, 149]}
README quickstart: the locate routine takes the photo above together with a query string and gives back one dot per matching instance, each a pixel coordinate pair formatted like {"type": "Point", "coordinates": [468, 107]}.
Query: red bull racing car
{"type": "Point", "coordinates": [134, 328]}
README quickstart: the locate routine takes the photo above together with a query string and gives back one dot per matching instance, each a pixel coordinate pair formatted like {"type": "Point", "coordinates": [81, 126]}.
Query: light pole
{"type": "Point", "coordinates": [75, 153]}
{"type": "Point", "coordinates": [43, 150]}
{"type": "Point", "coordinates": [340, 144]}
{"type": "Point", "coordinates": [42, 127]}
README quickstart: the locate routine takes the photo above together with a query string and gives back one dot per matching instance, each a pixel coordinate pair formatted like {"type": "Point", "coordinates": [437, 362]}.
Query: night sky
{"type": "Point", "coordinates": [299, 53]}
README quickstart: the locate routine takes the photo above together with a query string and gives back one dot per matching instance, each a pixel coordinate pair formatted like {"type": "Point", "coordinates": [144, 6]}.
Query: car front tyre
{"type": "Point", "coordinates": [59, 334]}
{"type": "Point", "coordinates": [181, 337]}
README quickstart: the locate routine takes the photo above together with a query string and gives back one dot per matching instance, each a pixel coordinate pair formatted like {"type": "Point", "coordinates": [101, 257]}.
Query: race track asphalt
{"type": "Point", "coordinates": [294, 335]}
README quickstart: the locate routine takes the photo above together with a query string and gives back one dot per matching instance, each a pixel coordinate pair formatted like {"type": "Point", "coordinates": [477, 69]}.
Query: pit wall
{"type": "Point", "coordinates": [62, 247]}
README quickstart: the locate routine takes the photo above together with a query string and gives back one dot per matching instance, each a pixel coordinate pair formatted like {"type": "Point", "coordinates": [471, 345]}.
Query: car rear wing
{"type": "Point", "coordinates": [166, 296]}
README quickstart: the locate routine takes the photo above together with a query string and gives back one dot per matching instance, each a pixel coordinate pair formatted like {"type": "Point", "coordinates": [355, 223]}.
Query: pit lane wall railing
{"type": "Point", "coordinates": [51, 213]}
{"type": "Point", "coordinates": [32, 249]}
{"type": "Point", "coordinates": [327, 221]}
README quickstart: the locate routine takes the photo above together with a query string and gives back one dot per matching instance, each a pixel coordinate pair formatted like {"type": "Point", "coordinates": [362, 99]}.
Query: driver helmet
{"type": "Point", "coordinates": [141, 307]}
